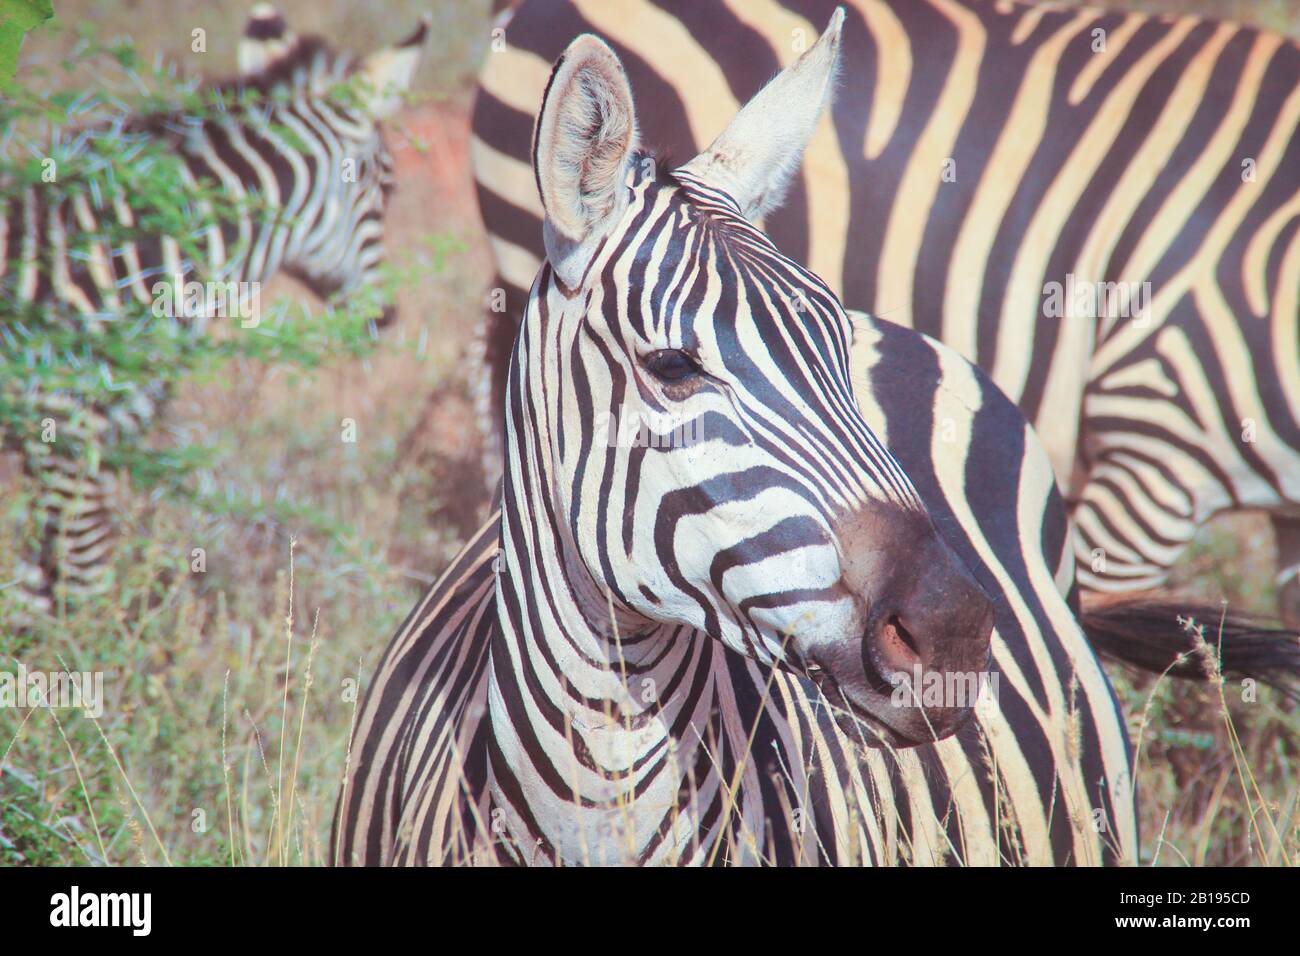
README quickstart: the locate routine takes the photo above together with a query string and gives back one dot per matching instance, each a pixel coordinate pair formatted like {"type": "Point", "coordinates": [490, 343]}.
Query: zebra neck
{"type": "Point", "coordinates": [240, 157]}
{"type": "Point", "coordinates": [265, 216]}
{"type": "Point", "coordinates": [596, 658]}
{"type": "Point", "coordinates": [587, 717]}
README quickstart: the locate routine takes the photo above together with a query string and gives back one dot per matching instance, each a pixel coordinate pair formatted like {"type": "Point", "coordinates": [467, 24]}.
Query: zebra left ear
{"type": "Point", "coordinates": [388, 72]}
{"type": "Point", "coordinates": [582, 143]}
{"type": "Point", "coordinates": [754, 158]}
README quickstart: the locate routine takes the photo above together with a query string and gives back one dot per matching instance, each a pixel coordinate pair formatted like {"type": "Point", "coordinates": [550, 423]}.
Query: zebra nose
{"type": "Point", "coordinates": [932, 631]}
{"type": "Point", "coordinates": [933, 616]}
{"type": "Point", "coordinates": [926, 623]}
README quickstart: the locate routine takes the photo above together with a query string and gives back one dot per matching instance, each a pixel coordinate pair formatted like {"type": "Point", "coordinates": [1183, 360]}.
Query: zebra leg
{"type": "Point", "coordinates": [1126, 539]}
{"type": "Point", "coordinates": [1127, 543]}
{"type": "Point", "coordinates": [76, 532]}
{"type": "Point", "coordinates": [1287, 530]}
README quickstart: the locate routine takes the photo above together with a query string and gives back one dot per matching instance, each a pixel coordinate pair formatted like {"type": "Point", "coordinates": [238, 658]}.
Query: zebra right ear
{"type": "Point", "coordinates": [755, 157]}
{"type": "Point", "coordinates": [267, 39]}
{"type": "Point", "coordinates": [584, 139]}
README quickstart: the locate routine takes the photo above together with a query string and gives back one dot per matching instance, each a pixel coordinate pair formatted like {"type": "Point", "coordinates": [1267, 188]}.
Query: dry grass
{"type": "Point", "coordinates": [229, 703]}
{"type": "Point", "coordinates": [195, 664]}
{"type": "Point", "coordinates": [1218, 781]}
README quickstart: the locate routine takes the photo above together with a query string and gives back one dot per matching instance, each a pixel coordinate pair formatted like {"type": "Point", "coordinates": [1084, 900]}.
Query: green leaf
{"type": "Point", "coordinates": [17, 18]}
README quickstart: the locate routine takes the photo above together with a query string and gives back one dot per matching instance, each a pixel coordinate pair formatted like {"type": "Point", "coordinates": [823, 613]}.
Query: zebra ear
{"type": "Point", "coordinates": [754, 158]}
{"type": "Point", "coordinates": [388, 72]}
{"type": "Point", "coordinates": [267, 39]}
{"type": "Point", "coordinates": [584, 138]}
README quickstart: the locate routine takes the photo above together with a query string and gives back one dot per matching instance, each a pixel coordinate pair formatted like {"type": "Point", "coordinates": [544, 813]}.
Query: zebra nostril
{"type": "Point", "coordinates": [894, 647]}
{"type": "Point", "coordinates": [901, 633]}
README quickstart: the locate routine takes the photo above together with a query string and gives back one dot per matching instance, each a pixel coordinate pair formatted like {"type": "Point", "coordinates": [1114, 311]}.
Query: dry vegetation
{"type": "Point", "coordinates": [231, 692]}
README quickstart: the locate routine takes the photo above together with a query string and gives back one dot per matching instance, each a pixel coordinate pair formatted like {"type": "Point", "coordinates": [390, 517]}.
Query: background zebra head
{"type": "Point", "coordinates": [343, 172]}
{"type": "Point", "coordinates": [680, 401]}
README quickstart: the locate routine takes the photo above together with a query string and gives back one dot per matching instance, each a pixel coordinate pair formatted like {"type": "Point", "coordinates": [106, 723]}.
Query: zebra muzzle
{"type": "Point", "coordinates": [920, 661]}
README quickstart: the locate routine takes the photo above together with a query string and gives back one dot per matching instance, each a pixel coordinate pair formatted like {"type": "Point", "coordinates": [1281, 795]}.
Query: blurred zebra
{"type": "Point", "coordinates": [703, 650]}
{"type": "Point", "coordinates": [1101, 210]}
{"type": "Point", "coordinates": [307, 178]}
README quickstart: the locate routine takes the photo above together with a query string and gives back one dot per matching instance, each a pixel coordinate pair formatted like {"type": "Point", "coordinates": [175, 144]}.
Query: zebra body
{"type": "Point", "coordinates": [304, 181]}
{"type": "Point", "coordinates": [987, 166]}
{"type": "Point", "coordinates": [649, 656]}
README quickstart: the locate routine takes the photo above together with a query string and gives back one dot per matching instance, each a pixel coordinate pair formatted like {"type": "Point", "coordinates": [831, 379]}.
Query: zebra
{"type": "Point", "coordinates": [691, 653]}
{"type": "Point", "coordinates": [990, 167]}
{"type": "Point", "coordinates": [283, 140]}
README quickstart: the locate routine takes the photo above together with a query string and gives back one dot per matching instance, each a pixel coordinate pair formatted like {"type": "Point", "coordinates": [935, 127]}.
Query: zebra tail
{"type": "Point", "coordinates": [1192, 640]}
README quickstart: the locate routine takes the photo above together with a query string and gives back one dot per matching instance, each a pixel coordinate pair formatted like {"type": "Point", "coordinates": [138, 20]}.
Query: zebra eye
{"type": "Point", "coordinates": [671, 365]}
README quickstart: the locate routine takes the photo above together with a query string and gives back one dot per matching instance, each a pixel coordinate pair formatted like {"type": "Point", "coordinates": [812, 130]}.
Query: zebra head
{"type": "Point", "coordinates": [344, 169]}
{"type": "Point", "coordinates": [680, 399]}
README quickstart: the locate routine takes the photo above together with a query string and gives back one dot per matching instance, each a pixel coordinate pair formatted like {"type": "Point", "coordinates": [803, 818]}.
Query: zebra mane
{"type": "Point", "coordinates": [665, 165]}
{"type": "Point", "coordinates": [310, 56]}
{"type": "Point", "coordinates": [310, 60]}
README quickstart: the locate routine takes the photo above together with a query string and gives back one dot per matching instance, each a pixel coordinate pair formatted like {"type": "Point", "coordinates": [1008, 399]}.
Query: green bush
{"type": "Point", "coordinates": [98, 147]}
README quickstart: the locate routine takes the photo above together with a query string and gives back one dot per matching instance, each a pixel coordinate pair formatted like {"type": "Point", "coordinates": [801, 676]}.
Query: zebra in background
{"type": "Point", "coordinates": [691, 653]}
{"type": "Point", "coordinates": [998, 176]}
{"type": "Point", "coordinates": [282, 142]}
